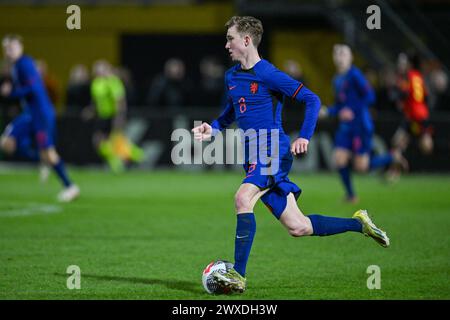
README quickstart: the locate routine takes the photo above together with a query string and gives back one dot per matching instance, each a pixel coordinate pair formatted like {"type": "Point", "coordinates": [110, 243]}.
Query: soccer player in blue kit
{"type": "Point", "coordinates": [353, 139]}
{"type": "Point", "coordinates": [38, 118]}
{"type": "Point", "coordinates": [256, 90]}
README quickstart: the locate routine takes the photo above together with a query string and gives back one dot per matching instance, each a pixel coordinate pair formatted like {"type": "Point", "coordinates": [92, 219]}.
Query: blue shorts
{"type": "Point", "coordinates": [278, 183]}
{"type": "Point", "coordinates": [44, 126]}
{"type": "Point", "coordinates": [22, 128]}
{"type": "Point", "coordinates": [44, 138]}
{"type": "Point", "coordinates": [355, 141]}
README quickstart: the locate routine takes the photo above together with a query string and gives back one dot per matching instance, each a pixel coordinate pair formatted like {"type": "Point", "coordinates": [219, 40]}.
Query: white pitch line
{"type": "Point", "coordinates": [30, 209]}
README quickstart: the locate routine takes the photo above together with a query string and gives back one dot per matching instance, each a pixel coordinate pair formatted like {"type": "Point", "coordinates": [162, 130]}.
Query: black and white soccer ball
{"type": "Point", "coordinates": [211, 286]}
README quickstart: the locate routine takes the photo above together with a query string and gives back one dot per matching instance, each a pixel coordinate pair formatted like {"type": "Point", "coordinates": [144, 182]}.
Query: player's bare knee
{"type": "Point", "coordinates": [50, 156]}
{"type": "Point", "coordinates": [299, 227]}
{"type": "Point", "coordinates": [341, 159]}
{"type": "Point", "coordinates": [242, 202]}
{"type": "Point", "coordinates": [360, 167]}
{"type": "Point", "coordinates": [426, 144]}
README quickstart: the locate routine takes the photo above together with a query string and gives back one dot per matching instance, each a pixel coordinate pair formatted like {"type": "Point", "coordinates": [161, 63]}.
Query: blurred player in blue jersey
{"type": "Point", "coordinates": [256, 90]}
{"type": "Point", "coordinates": [38, 118]}
{"type": "Point", "coordinates": [353, 140]}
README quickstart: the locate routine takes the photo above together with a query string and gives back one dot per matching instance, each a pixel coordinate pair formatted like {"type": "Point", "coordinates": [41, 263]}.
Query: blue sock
{"type": "Point", "coordinates": [344, 172]}
{"type": "Point", "coordinates": [380, 161]}
{"type": "Point", "coordinates": [61, 172]}
{"type": "Point", "coordinates": [327, 226]}
{"type": "Point", "coordinates": [245, 232]}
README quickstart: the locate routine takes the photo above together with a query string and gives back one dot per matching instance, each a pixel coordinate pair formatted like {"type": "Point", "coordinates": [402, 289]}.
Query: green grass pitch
{"type": "Point", "coordinates": [148, 235]}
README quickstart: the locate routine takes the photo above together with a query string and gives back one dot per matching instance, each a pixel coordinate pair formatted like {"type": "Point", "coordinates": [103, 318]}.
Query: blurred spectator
{"type": "Point", "coordinates": [211, 83]}
{"type": "Point", "coordinates": [125, 75]}
{"type": "Point", "coordinates": [51, 84]}
{"type": "Point", "coordinates": [171, 89]}
{"type": "Point", "coordinates": [293, 68]}
{"type": "Point", "coordinates": [439, 80]}
{"type": "Point", "coordinates": [437, 83]}
{"type": "Point", "coordinates": [78, 89]}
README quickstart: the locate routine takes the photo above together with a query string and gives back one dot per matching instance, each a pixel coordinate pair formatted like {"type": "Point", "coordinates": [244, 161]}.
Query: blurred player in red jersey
{"type": "Point", "coordinates": [412, 103]}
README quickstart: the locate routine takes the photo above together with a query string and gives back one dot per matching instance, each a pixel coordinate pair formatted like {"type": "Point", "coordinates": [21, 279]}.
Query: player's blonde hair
{"type": "Point", "coordinates": [12, 37]}
{"type": "Point", "coordinates": [247, 25]}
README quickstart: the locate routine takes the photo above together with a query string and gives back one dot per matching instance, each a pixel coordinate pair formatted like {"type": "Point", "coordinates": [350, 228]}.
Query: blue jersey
{"type": "Point", "coordinates": [255, 100]}
{"type": "Point", "coordinates": [352, 90]}
{"type": "Point", "coordinates": [28, 86]}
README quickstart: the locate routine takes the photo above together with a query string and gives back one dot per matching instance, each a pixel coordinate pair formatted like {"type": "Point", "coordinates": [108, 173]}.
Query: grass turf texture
{"type": "Point", "coordinates": [148, 235]}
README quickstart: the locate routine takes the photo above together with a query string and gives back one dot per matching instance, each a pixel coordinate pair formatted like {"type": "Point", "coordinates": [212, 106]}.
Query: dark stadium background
{"type": "Point", "coordinates": [141, 35]}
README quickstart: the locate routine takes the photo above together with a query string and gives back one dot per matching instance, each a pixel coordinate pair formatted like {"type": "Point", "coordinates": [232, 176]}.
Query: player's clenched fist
{"type": "Point", "coordinates": [202, 132]}
{"type": "Point", "coordinates": [299, 146]}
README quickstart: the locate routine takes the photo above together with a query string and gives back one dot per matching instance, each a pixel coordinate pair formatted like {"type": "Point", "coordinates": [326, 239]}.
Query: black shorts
{"type": "Point", "coordinates": [103, 125]}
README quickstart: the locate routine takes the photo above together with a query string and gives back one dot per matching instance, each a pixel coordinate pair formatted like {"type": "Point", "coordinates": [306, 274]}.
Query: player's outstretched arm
{"type": "Point", "coordinates": [365, 89]}
{"type": "Point", "coordinates": [202, 132]}
{"type": "Point", "coordinates": [9, 91]}
{"type": "Point", "coordinates": [30, 85]}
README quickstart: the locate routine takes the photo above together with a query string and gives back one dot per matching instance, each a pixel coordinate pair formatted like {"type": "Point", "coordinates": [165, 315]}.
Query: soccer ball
{"type": "Point", "coordinates": [209, 283]}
